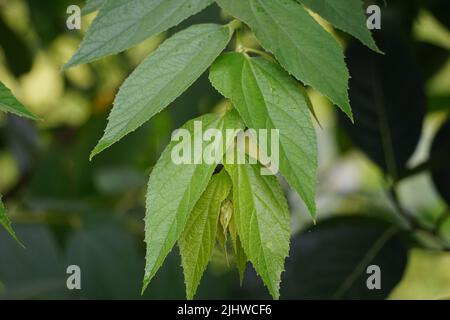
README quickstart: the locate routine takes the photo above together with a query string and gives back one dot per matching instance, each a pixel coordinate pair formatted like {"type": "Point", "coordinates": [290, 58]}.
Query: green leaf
{"type": "Point", "coordinates": [6, 223]}
{"type": "Point", "coordinates": [299, 43]}
{"type": "Point", "coordinates": [173, 190]}
{"type": "Point", "coordinates": [268, 98]}
{"type": "Point", "coordinates": [198, 238]}
{"type": "Point", "coordinates": [162, 77]}
{"type": "Point", "coordinates": [239, 253]}
{"type": "Point", "coordinates": [346, 15]}
{"type": "Point", "coordinates": [121, 24]}
{"type": "Point", "coordinates": [8, 103]}
{"type": "Point", "coordinates": [92, 5]}
{"type": "Point", "coordinates": [262, 219]}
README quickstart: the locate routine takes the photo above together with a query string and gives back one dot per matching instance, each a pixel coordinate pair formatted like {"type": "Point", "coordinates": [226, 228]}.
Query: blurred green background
{"type": "Point", "coordinates": [67, 210]}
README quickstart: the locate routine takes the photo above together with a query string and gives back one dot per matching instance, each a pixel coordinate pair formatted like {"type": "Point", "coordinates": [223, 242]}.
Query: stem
{"type": "Point", "coordinates": [260, 52]}
{"type": "Point", "coordinates": [368, 258]}
{"type": "Point", "coordinates": [431, 164]}
{"type": "Point", "coordinates": [234, 25]}
{"type": "Point", "coordinates": [412, 224]}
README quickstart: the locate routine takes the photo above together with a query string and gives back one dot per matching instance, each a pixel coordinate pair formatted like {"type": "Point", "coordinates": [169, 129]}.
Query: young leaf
{"type": "Point", "coordinates": [173, 190]}
{"type": "Point", "coordinates": [262, 219]}
{"type": "Point", "coordinates": [91, 6]}
{"type": "Point", "coordinates": [268, 98]}
{"type": "Point", "coordinates": [121, 24]}
{"type": "Point", "coordinates": [8, 103]}
{"type": "Point", "coordinates": [346, 15]}
{"type": "Point", "coordinates": [198, 238]}
{"type": "Point", "coordinates": [162, 77]}
{"type": "Point", "coordinates": [239, 253]}
{"type": "Point", "coordinates": [6, 223]}
{"type": "Point", "coordinates": [299, 43]}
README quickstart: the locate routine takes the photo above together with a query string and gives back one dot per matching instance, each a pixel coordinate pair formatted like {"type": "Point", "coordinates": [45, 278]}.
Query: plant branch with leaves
{"type": "Point", "coordinates": [185, 203]}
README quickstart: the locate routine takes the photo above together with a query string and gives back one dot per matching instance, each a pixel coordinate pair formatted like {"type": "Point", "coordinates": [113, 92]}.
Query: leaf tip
{"type": "Point", "coordinates": [100, 147]}
{"type": "Point", "coordinates": [33, 117]}
{"type": "Point", "coordinates": [74, 61]}
{"type": "Point", "coordinates": [145, 284]}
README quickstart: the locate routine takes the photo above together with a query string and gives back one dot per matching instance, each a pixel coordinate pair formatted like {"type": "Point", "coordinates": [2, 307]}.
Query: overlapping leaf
{"type": "Point", "coordinates": [345, 15]}
{"type": "Point", "coordinates": [239, 253]}
{"type": "Point", "coordinates": [173, 191]}
{"type": "Point", "coordinates": [162, 77]}
{"type": "Point", "coordinates": [121, 24]}
{"type": "Point", "coordinates": [262, 219]}
{"type": "Point", "coordinates": [299, 43]}
{"type": "Point", "coordinates": [268, 98]}
{"type": "Point", "coordinates": [198, 238]}
{"type": "Point", "coordinates": [8, 103]}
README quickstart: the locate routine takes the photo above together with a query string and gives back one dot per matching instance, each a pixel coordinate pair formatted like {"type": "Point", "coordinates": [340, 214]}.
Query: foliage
{"type": "Point", "coordinates": [301, 46]}
{"type": "Point", "coordinates": [377, 196]}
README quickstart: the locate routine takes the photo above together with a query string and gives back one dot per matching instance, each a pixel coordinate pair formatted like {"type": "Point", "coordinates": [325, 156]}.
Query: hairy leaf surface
{"type": "Point", "coordinates": [268, 98]}
{"type": "Point", "coordinates": [262, 219]}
